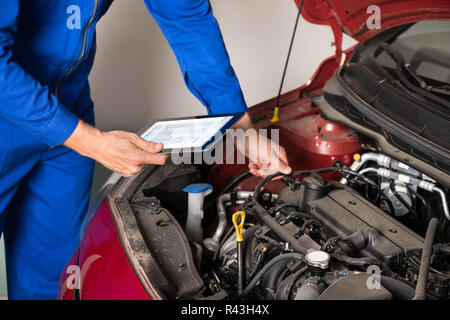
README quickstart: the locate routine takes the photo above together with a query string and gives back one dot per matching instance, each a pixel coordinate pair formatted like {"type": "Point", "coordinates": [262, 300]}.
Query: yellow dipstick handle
{"type": "Point", "coordinates": [239, 226]}
{"type": "Point", "coordinates": [275, 115]}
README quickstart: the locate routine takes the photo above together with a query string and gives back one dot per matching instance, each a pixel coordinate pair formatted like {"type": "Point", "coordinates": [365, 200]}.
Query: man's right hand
{"type": "Point", "coordinates": [123, 152]}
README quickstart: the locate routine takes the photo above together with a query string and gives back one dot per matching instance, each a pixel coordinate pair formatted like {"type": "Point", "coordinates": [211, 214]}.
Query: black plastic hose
{"type": "Point", "coordinates": [359, 262]}
{"type": "Point", "coordinates": [421, 286]}
{"type": "Point", "coordinates": [261, 272]}
{"type": "Point", "coordinates": [241, 176]}
{"type": "Point", "coordinates": [399, 290]}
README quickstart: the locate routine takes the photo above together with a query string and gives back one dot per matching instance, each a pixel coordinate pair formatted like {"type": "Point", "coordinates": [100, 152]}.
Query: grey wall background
{"type": "Point", "coordinates": [136, 78]}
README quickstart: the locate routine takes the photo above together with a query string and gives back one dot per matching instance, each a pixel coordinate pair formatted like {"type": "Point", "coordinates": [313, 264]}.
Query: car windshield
{"type": "Point", "coordinates": [426, 47]}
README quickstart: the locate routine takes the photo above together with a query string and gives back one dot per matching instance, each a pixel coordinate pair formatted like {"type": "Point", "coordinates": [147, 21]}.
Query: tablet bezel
{"type": "Point", "coordinates": [236, 116]}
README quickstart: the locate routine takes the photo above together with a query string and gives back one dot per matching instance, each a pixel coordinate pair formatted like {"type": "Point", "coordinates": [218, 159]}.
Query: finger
{"type": "Point", "coordinates": [152, 147]}
{"type": "Point", "coordinates": [131, 171]}
{"type": "Point", "coordinates": [283, 156]}
{"type": "Point", "coordinates": [263, 164]}
{"type": "Point", "coordinates": [260, 172]}
{"type": "Point", "coordinates": [152, 158]}
{"type": "Point", "coordinates": [254, 169]}
{"type": "Point", "coordinates": [254, 172]}
{"type": "Point", "coordinates": [282, 163]}
{"type": "Point", "coordinates": [283, 167]}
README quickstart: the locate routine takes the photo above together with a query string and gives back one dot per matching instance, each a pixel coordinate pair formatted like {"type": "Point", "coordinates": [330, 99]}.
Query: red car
{"type": "Point", "coordinates": [365, 208]}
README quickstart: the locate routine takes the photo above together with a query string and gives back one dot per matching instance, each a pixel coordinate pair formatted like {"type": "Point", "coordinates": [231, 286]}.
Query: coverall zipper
{"type": "Point", "coordinates": [83, 52]}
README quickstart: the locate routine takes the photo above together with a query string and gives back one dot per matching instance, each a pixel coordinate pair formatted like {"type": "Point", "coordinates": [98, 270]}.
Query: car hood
{"type": "Point", "coordinates": [358, 18]}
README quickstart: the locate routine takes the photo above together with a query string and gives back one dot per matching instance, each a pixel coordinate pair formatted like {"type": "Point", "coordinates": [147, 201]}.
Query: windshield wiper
{"type": "Point", "coordinates": [420, 86]}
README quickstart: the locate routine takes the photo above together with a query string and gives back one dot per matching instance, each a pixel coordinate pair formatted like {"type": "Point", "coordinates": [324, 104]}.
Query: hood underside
{"type": "Point", "coordinates": [358, 18]}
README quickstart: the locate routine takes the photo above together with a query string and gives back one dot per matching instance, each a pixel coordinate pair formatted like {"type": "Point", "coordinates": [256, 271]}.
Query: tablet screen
{"type": "Point", "coordinates": [186, 133]}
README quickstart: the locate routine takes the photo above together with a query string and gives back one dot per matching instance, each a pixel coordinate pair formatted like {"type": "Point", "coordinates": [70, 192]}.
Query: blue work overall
{"type": "Point", "coordinates": [47, 49]}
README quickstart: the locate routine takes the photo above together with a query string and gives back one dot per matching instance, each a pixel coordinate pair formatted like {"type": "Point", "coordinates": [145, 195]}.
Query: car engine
{"type": "Point", "coordinates": [363, 237]}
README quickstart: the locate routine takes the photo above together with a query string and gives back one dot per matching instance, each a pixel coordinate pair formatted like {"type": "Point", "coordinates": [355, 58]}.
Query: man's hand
{"type": "Point", "coordinates": [123, 152]}
{"type": "Point", "coordinates": [266, 156]}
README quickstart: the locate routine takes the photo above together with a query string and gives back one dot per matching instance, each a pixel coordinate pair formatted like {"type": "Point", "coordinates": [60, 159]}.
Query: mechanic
{"type": "Point", "coordinates": [48, 140]}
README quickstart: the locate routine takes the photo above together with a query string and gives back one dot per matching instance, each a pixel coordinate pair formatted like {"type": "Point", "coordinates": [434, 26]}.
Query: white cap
{"type": "Point", "coordinates": [317, 258]}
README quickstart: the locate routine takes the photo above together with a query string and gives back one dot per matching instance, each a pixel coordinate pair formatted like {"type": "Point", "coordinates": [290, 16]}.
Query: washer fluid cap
{"type": "Point", "coordinates": [197, 188]}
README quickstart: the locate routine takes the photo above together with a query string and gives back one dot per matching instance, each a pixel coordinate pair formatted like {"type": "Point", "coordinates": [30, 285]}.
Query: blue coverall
{"type": "Point", "coordinates": [47, 49]}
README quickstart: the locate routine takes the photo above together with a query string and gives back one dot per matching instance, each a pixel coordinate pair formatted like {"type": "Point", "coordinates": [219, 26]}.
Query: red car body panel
{"type": "Point", "coordinates": [351, 15]}
{"type": "Point", "coordinates": [104, 270]}
{"type": "Point", "coordinates": [354, 17]}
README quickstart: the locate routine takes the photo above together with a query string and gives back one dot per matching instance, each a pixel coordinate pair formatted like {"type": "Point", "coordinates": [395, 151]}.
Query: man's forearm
{"type": "Point", "coordinates": [244, 123]}
{"type": "Point", "coordinates": [85, 139]}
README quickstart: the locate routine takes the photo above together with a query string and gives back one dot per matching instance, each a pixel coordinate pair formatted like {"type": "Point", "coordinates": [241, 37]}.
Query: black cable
{"type": "Point", "coordinates": [295, 173]}
{"type": "Point", "coordinates": [389, 204]}
{"type": "Point", "coordinates": [244, 174]}
{"type": "Point", "coordinates": [360, 176]}
{"type": "Point", "coordinates": [392, 187]}
{"type": "Point", "coordinates": [305, 172]}
{"type": "Point", "coordinates": [284, 205]}
{"type": "Point", "coordinates": [289, 53]}
{"type": "Point", "coordinates": [307, 223]}
{"type": "Point", "coordinates": [270, 240]}
{"type": "Point", "coordinates": [415, 261]}
{"type": "Point", "coordinates": [264, 181]}
{"type": "Point", "coordinates": [418, 196]}
{"type": "Point", "coordinates": [241, 176]}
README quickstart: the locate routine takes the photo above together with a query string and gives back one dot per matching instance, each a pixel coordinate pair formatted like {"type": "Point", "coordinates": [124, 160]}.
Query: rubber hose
{"type": "Point", "coordinates": [421, 286]}
{"type": "Point", "coordinates": [272, 276]}
{"type": "Point", "coordinates": [360, 262]}
{"type": "Point", "coordinates": [398, 289]}
{"type": "Point", "coordinates": [261, 272]}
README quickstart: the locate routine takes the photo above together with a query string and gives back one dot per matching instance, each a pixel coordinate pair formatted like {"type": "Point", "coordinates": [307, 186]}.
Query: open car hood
{"type": "Point", "coordinates": [351, 16]}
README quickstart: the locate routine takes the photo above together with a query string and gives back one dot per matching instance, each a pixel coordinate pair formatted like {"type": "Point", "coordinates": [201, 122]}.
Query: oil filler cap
{"type": "Point", "coordinates": [316, 188]}
{"type": "Point", "coordinates": [317, 259]}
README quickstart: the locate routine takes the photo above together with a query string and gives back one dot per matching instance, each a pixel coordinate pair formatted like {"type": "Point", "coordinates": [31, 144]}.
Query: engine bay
{"type": "Point", "coordinates": [302, 236]}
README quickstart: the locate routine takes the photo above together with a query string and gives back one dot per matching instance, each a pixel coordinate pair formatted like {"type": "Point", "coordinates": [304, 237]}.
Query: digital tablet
{"type": "Point", "coordinates": [198, 133]}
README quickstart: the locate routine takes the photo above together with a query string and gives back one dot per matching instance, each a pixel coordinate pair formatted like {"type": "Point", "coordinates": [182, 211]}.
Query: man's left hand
{"type": "Point", "coordinates": [266, 156]}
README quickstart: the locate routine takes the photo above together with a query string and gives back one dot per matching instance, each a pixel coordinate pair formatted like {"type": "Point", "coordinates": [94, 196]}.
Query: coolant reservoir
{"type": "Point", "coordinates": [196, 195]}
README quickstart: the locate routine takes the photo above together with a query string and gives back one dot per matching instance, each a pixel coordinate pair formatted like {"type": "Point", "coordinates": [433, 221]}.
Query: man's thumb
{"type": "Point", "coordinates": [285, 168]}
{"type": "Point", "coordinates": [152, 147]}
{"type": "Point", "coordinates": [155, 147]}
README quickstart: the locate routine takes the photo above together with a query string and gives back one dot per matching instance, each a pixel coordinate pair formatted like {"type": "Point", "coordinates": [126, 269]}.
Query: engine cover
{"type": "Point", "coordinates": [345, 213]}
